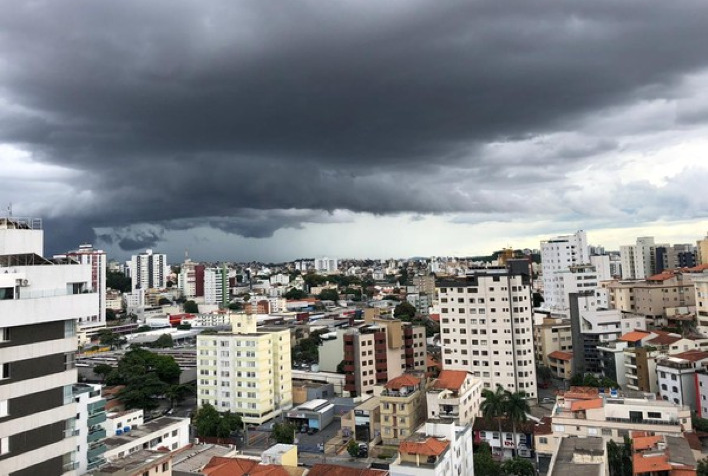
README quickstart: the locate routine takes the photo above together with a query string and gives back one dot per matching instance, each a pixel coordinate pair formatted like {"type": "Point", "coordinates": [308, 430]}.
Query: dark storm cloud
{"type": "Point", "coordinates": [262, 115]}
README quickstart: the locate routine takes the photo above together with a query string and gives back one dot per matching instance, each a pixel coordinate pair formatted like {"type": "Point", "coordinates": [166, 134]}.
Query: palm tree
{"type": "Point", "coordinates": [494, 406]}
{"type": "Point", "coordinates": [516, 408]}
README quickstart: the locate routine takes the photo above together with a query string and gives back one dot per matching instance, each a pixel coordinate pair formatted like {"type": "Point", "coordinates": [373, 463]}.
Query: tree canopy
{"type": "Point", "coordinates": [211, 423]}
{"type": "Point", "coordinates": [329, 295]}
{"type": "Point", "coordinates": [404, 311]}
{"type": "Point", "coordinates": [294, 293]}
{"type": "Point", "coordinates": [118, 281]}
{"type": "Point", "coordinates": [589, 380]}
{"type": "Point", "coordinates": [191, 307]}
{"type": "Point", "coordinates": [284, 433]}
{"type": "Point", "coordinates": [146, 376]}
{"type": "Point", "coordinates": [111, 339]}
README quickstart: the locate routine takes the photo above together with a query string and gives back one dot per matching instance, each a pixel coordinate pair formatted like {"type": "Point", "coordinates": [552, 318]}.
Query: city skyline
{"type": "Point", "coordinates": [270, 131]}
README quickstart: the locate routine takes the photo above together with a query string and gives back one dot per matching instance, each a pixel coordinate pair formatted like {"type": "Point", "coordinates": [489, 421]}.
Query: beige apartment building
{"type": "Point", "coordinates": [651, 297]}
{"type": "Point", "coordinates": [402, 408]}
{"type": "Point", "coordinates": [247, 371]}
{"type": "Point", "coordinates": [550, 336]}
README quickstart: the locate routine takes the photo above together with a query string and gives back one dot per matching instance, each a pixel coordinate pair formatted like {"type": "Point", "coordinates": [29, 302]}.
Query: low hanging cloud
{"type": "Point", "coordinates": [147, 118]}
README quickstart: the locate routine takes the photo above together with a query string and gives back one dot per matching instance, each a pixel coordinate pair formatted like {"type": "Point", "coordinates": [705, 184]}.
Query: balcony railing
{"type": "Point", "coordinates": [97, 419]}
{"type": "Point", "coordinates": [96, 435]}
{"type": "Point", "coordinates": [95, 452]}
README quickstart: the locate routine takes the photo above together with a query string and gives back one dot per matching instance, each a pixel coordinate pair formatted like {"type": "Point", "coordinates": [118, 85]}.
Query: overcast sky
{"type": "Point", "coordinates": [279, 129]}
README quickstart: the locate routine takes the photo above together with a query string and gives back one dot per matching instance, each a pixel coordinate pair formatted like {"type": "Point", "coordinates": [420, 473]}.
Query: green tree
{"type": "Point", "coordinates": [191, 307]}
{"type": "Point", "coordinates": [236, 306]}
{"type": "Point", "coordinates": [543, 373]}
{"type": "Point", "coordinates": [110, 315]}
{"type": "Point", "coordinates": [102, 370]}
{"type": "Point", "coordinates": [118, 281]}
{"type": "Point", "coordinates": [284, 433]}
{"type": "Point", "coordinates": [403, 279]}
{"type": "Point", "coordinates": [494, 405]}
{"type": "Point", "coordinates": [329, 295]}
{"type": "Point", "coordinates": [165, 340]}
{"type": "Point", "coordinates": [516, 409]}
{"type": "Point", "coordinates": [109, 338]}
{"type": "Point", "coordinates": [185, 326]}
{"type": "Point", "coordinates": [404, 311]}
{"type": "Point", "coordinates": [340, 368]}
{"type": "Point", "coordinates": [177, 393]}
{"type": "Point", "coordinates": [141, 391]}
{"type": "Point", "coordinates": [353, 448]}
{"type": "Point", "coordinates": [702, 467]}
{"type": "Point", "coordinates": [483, 462]}
{"type": "Point", "coordinates": [296, 294]}
{"type": "Point", "coordinates": [518, 467]}
{"type": "Point", "coordinates": [164, 301]}
{"type": "Point", "coordinates": [206, 421]}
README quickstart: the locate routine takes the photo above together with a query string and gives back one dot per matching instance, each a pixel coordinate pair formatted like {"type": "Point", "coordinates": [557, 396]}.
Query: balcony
{"type": "Point", "coordinates": [96, 435]}
{"type": "Point", "coordinates": [96, 452]}
{"type": "Point", "coordinates": [97, 406]}
{"type": "Point", "coordinates": [96, 419]}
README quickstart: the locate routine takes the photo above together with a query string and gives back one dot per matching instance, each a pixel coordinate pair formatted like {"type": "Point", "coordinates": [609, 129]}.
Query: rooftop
{"type": "Point", "coordinates": [146, 429]}
{"type": "Point", "coordinates": [195, 458]}
{"type": "Point", "coordinates": [634, 336]}
{"type": "Point", "coordinates": [450, 380]}
{"type": "Point", "coordinates": [560, 355]}
{"type": "Point", "coordinates": [405, 380]}
{"type": "Point", "coordinates": [569, 447]}
{"type": "Point", "coordinates": [134, 461]}
{"type": "Point", "coordinates": [424, 446]}
{"type": "Point", "coordinates": [337, 470]}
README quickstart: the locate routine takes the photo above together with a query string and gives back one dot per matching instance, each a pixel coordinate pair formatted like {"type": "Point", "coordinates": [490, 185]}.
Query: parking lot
{"type": "Point", "coordinates": [314, 443]}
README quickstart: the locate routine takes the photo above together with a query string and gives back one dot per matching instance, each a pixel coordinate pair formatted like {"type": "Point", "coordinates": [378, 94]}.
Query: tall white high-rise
{"type": "Point", "coordinates": [96, 259]}
{"type": "Point", "coordinates": [326, 265]}
{"type": "Point", "coordinates": [486, 328]}
{"type": "Point", "coordinates": [216, 285]}
{"type": "Point", "coordinates": [148, 270]}
{"type": "Point", "coordinates": [638, 260]}
{"type": "Point", "coordinates": [40, 302]}
{"type": "Point", "coordinates": [558, 256]}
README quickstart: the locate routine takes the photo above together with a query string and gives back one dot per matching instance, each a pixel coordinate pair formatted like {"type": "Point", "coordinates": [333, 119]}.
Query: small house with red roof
{"type": "Point", "coordinates": [454, 395]}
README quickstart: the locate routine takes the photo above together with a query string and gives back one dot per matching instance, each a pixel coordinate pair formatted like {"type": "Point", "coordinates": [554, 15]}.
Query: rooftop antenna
{"type": "Point", "coordinates": [9, 210]}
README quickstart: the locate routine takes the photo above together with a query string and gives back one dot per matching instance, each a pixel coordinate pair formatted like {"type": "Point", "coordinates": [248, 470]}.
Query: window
{"type": "Point", "coordinates": [165, 466]}
{"type": "Point", "coordinates": [3, 408]}
{"type": "Point", "coordinates": [543, 440]}
{"type": "Point", "coordinates": [654, 415]}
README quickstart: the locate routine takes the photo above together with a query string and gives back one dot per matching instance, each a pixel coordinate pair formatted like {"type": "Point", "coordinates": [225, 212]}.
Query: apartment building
{"type": "Point", "coordinates": [551, 335]}
{"type": "Point", "coordinates": [454, 395]}
{"type": "Point", "coordinates": [148, 270]}
{"type": "Point", "coordinates": [377, 352]}
{"type": "Point", "coordinates": [592, 326]}
{"type": "Point", "coordinates": [247, 371]}
{"type": "Point", "coordinates": [486, 328]}
{"type": "Point", "coordinates": [402, 408]}
{"type": "Point", "coordinates": [90, 415]}
{"type": "Point", "coordinates": [216, 285]}
{"type": "Point", "coordinates": [96, 259]}
{"type": "Point", "coordinates": [581, 456]}
{"type": "Point", "coordinates": [558, 255]}
{"type": "Point", "coordinates": [701, 385]}
{"type": "Point", "coordinates": [677, 376]}
{"type": "Point", "coordinates": [435, 449]}
{"type": "Point", "coordinates": [583, 412]}
{"type": "Point", "coordinates": [701, 303]}
{"type": "Point", "coordinates": [326, 265]}
{"type": "Point", "coordinates": [576, 279]}
{"type": "Point", "coordinates": [41, 301]}
{"type": "Point", "coordinates": [651, 297]}
{"type": "Point", "coordinates": [639, 260]}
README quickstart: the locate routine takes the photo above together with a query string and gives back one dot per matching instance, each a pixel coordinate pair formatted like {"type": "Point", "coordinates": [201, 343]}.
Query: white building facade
{"type": "Point", "coordinates": [149, 271]}
{"type": "Point", "coordinates": [41, 301]}
{"type": "Point", "coordinates": [557, 255]}
{"type": "Point", "coordinates": [486, 328]}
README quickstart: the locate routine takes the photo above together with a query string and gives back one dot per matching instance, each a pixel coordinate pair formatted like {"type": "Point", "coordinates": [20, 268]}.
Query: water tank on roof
{"type": "Point", "coordinates": [126, 429]}
{"type": "Point", "coordinates": [119, 431]}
